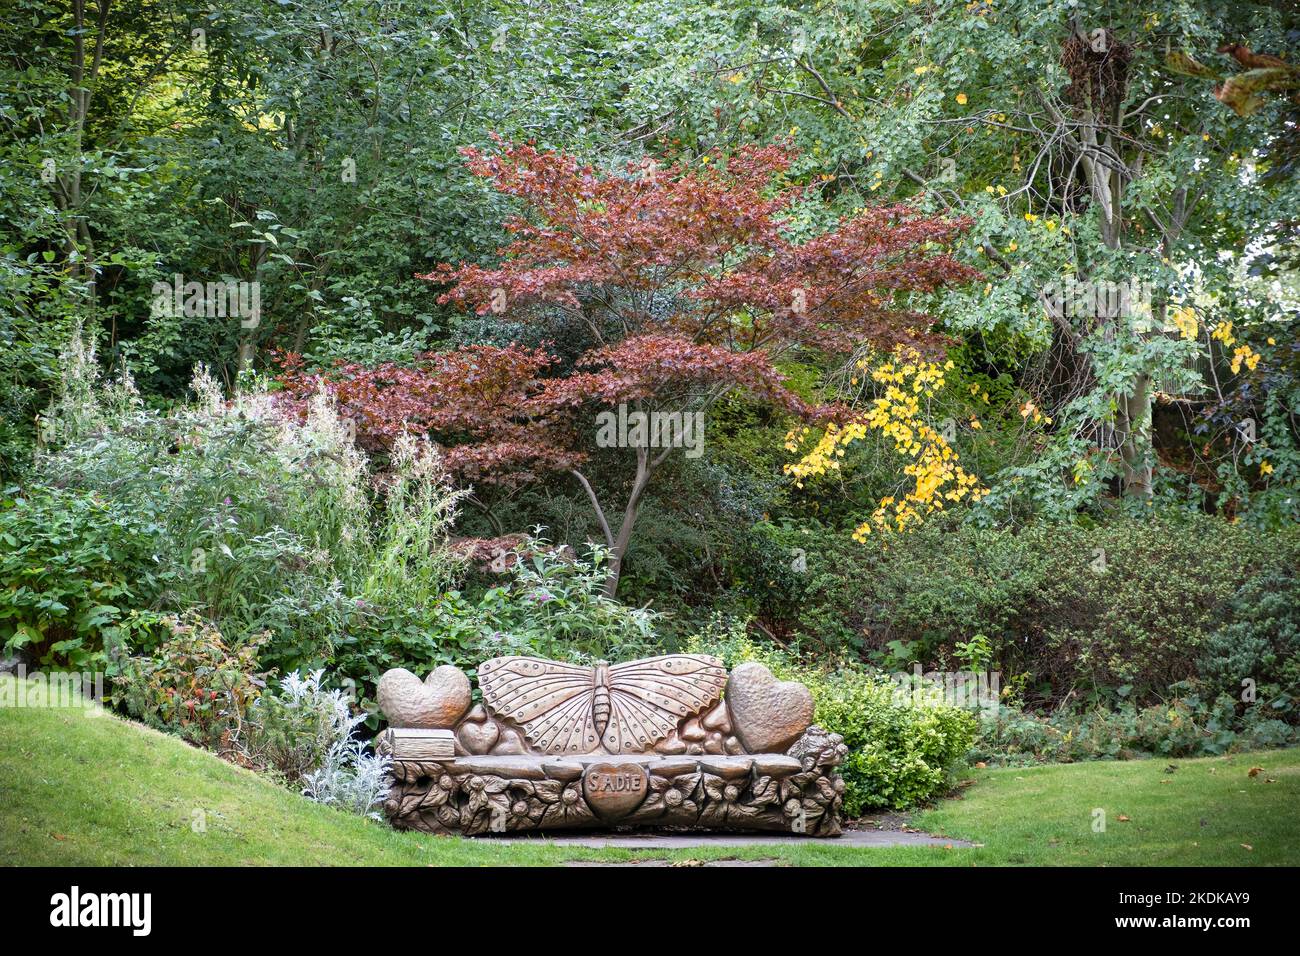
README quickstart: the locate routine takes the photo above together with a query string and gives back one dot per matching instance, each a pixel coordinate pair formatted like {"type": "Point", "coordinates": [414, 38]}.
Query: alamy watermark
{"type": "Point", "coordinates": [133, 911]}
{"type": "Point", "coordinates": [968, 690]}
{"type": "Point", "coordinates": [1099, 298]}
{"type": "Point", "coordinates": [228, 298]}
{"type": "Point", "coordinates": [635, 429]}
{"type": "Point", "coordinates": [53, 689]}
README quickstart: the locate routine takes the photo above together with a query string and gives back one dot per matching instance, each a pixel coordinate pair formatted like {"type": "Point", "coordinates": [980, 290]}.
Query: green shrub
{"type": "Point", "coordinates": [1257, 653]}
{"type": "Point", "coordinates": [554, 605]}
{"type": "Point", "coordinates": [256, 522]}
{"type": "Point", "coordinates": [292, 726]}
{"type": "Point", "coordinates": [73, 565]}
{"type": "Point", "coordinates": [900, 754]}
{"type": "Point", "coordinates": [262, 524]}
{"type": "Point", "coordinates": [543, 604]}
{"type": "Point", "coordinates": [194, 685]}
{"type": "Point", "coordinates": [38, 306]}
{"type": "Point", "coordinates": [1130, 604]}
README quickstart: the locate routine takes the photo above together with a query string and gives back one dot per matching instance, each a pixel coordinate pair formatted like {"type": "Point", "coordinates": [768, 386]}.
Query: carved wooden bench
{"type": "Point", "coordinates": [670, 741]}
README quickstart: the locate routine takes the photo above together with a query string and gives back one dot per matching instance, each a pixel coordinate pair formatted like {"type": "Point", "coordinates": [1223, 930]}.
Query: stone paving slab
{"type": "Point", "coordinates": [683, 841]}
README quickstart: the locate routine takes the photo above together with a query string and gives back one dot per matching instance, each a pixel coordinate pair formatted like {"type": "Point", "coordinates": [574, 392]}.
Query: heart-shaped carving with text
{"type": "Point", "coordinates": [613, 790]}
{"type": "Point", "coordinates": [767, 715]}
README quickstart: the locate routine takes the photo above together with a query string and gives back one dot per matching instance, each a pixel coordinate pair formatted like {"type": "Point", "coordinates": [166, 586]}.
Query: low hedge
{"type": "Point", "coordinates": [1085, 612]}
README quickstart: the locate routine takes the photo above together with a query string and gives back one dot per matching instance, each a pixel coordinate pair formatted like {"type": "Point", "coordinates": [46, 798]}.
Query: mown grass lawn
{"type": "Point", "coordinates": [83, 790]}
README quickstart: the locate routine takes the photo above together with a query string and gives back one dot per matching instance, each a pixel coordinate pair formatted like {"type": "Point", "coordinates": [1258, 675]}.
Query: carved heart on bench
{"type": "Point", "coordinates": [768, 715]}
{"type": "Point", "coordinates": [613, 790]}
{"type": "Point", "coordinates": [479, 739]}
{"type": "Point", "coordinates": [437, 702]}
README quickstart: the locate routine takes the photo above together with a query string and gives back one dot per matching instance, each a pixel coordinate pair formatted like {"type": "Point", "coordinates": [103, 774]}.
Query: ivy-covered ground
{"type": "Point", "coordinates": [101, 791]}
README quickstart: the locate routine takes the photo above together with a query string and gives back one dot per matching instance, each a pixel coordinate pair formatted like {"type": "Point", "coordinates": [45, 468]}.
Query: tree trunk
{"type": "Point", "coordinates": [1105, 174]}
{"type": "Point", "coordinates": [1133, 424]}
{"type": "Point", "coordinates": [624, 536]}
{"type": "Point", "coordinates": [68, 184]}
{"type": "Point", "coordinates": [619, 543]}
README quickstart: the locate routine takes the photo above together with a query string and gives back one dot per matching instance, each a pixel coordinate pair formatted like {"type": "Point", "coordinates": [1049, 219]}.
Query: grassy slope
{"type": "Point", "coordinates": [102, 791]}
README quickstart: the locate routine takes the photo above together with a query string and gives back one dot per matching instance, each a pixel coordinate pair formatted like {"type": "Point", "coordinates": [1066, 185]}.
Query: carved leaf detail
{"type": "Point", "coordinates": [812, 809]}
{"type": "Point", "coordinates": [826, 789]}
{"type": "Point", "coordinates": [713, 787]}
{"type": "Point", "coordinates": [764, 792]}
{"type": "Point", "coordinates": [689, 784]}
{"type": "Point", "coordinates": [801, 780]}
{"type": "Point", "coordinates": [412, 803]}
{"type": "Point", "coordinates": [548, 791]}
{"type": "Point", "coordinates": [742, 813]}
{"type": "Point", "coordinates": [715, 813]}
{"type": "Point", "coordinates": [435, 796]}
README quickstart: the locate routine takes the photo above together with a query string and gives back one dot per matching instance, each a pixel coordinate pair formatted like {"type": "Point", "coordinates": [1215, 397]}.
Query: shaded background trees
{"type": "Point", "coordinates": [314, 148]}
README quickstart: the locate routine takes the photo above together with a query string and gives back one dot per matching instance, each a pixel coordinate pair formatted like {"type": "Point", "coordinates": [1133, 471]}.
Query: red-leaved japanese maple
{"type": "Point", "coordinates": [686, 284]}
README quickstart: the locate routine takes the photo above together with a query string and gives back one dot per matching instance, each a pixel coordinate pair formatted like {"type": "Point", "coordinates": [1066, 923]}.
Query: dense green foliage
{"type": "Point", "coordinates": [193, 684]}
{"type": "Point", "coordinates": [272, 531]}
{"type": "Point", "coordinates": [1186, 726]}
{"type": "Point", "coordinates": [73, 564]}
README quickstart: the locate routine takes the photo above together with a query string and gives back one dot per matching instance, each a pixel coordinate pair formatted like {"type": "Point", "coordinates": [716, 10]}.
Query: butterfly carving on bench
{"type": "Point", "coordinates": [620, 708]}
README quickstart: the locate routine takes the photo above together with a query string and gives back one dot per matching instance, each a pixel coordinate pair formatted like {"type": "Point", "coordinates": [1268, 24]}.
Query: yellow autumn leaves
{"type": "Point", "coordinates": [937, 477]}
{"type": "Point", "coordinates": [1243, 354]}
{"type": "Point", "coordinates": [1184, 320]}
